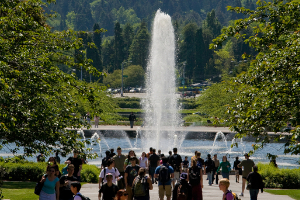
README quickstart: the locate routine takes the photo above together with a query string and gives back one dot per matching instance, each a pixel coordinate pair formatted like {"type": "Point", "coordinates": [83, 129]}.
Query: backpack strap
{"type": "Point", "coordinates": [104, 175]}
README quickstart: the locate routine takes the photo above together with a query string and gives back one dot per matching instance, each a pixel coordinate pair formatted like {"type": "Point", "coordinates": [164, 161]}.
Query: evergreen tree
{"type": "Point", "coordinates": [118, 47]}
{"type": "Point", "coordinates": [200, 57]}
{"type": "Point", "coordinates": [211, 22]}
{"type": "Point", "coordinates": [139, 47]}
{"type": "Point", "coordinates": [127, 38]}
{"type": "Point", "coordinates": [108, 55]}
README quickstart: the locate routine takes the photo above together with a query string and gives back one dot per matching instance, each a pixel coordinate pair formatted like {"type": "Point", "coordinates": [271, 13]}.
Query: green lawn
{"type": "Point", "coordinates": [20, 190]}
{"type": "Point", "coordinates": [120, 110]}
{"type": "Point", "coordinates": [295, 194]}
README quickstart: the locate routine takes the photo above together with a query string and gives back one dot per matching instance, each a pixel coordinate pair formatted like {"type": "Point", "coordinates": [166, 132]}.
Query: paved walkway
{"type": "Point", "coordinates": [209, 192]}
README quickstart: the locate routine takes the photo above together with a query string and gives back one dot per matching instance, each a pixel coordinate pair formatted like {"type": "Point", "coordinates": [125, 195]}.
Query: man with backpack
{"type": "Point", "coordinates": [164, 173]}
{"type": "Point", "coordinates": [210, 165]}
{"type": "Point", "coordinates": [131, 172]}
{"type": "Point", "coordinates": [108, 189]}
{"type": "Point", "coordinates": [105, 159]}
{"type": "Point", "coordinates": [154, 162]}
{"type": "Point", "coordinates": [111, 170]}
{"type": "Point", "coordinates": [176, 163]}
{"type": "Point", "coordinates": [182, 190]}
{"type": "Point", "coordinates": [141, 186]}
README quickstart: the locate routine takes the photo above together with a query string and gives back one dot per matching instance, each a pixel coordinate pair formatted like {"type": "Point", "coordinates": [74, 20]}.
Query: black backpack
{"type": "Point", "coordinates": [194, 176]}
{"type": "Point", "coordinates": [140, 187]}
{"type": "Point", "coordinates": [182, 193]}
{"type": "Point", "coordinates": [82, 197]}
{"type": "Point", "coordinates": [210, 165]}
{"type": "Point", "coordinates": [176, 162]}
{"type": "Point", "coordinates": [164, 175]}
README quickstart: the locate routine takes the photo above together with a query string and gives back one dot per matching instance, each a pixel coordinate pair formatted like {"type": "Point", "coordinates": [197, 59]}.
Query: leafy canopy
{"type": "Point", "coordinates": [271, 96]}
{"type": "Point", "coordinates": [39, 101]}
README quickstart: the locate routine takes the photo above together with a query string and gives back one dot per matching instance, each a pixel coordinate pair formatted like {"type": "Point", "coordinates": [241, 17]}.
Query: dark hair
{"type": "Point", "coordinates": [196, 152]}
{"type": "Point", "coordinates": [153, 150]}
{"type": "Point", "coordinates": [133, 158]}
{"type": "Point", "coordinates": [120, 193]}
{"type": "Point", "coordinates": [53, 159]}
{"type": "Point", "coordinates": [77, 185]}
{"type": "Point", "coordinates": [112, 150]}
{"type": "Point", "coordinates": [51, 167]}
{"type": "Point", "coordinates": [141, 172]}
{"type": "Point", "coordinates": [237, 158]}
{"type": "Point", "coordinates": [162, 155]}
{"type": "Point", "coordinates": [174, 149]}
{"type": "Point", "coordinates": [107, 153]}
{"type": "Point", "coordinates": [128, 156]}
{"type": "Point", "coordinates": [119, 148]}
{"type": "Point", "coordinates": [110, 161]}
{"type": "Point", "coordinates": [159, 150]}
{"type": "Point", "coordinates": [255, 168]}
{"type": "Point", "coordinates": [150, 149]}
{"type": "Point", "coordinates": [208, 155]}
{"type": "Point", "coordinates": [185, 157]}
{"type": "Point", "coordinates": [164, 159]}
{"type": "Point", "coordinates": [170, 152]}
{"type": "Point", "coordinates": [215, 155]}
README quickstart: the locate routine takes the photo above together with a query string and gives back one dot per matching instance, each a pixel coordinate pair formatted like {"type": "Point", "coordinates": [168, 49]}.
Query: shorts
{"type": "Point", "coordinates": [176, 176]}
{"type": "Point", "coordinates": [162, 191]}
{"type": "Point", "coordinates": [237, 172]}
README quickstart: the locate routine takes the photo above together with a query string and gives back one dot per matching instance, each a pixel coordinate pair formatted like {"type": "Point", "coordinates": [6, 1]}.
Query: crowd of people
{"type": "Point", "coordinates": [131, 177]}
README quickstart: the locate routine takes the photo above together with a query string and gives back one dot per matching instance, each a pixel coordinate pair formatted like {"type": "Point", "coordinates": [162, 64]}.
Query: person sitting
{"type": "Point", "coordinates": [182, 189]}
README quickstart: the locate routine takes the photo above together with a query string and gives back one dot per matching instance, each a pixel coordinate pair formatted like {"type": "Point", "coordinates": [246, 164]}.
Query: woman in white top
{"type": "Point", "coordinates": [143, 161]}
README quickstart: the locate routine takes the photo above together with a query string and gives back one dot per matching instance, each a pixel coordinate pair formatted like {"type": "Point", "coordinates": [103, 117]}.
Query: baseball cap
{"type": "Point", "coordinates": [109, 174]}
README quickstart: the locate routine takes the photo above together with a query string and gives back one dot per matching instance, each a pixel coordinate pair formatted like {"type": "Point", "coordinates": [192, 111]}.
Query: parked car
{"type": "Point", "coordinates": [138, 89]}
{"type": "Point", "coordinates": [116, 91]}
{"type": "Point", "coordinates": [133, 90]}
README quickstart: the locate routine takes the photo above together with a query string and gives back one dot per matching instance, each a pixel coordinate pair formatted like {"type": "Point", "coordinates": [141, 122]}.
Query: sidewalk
{"type": "Point", "coordinates": [209, 192]}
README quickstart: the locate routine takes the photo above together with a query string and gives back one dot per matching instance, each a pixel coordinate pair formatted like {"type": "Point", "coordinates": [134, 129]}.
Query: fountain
{"type": "Point", "coordinates": [97, 140]}
{"type": "Point", "coordinates": [223, 140]}
{"type": "Point", "coordinates": [80, 132]}
{"type": "Point", "coordinates": [161, 102]}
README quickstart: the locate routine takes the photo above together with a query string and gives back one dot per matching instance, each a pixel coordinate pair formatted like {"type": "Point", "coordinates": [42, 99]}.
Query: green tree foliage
{"type": "Point", "coordinates": [118, 47]}
{"type": "Point", "coordinates": [271, 95]}
{"type": "Point", "coordinates": [139, 47]}
{"type": "Point", "coordinates": [127, 38]}
{"type": "Point", "coordinates": [36, 101]}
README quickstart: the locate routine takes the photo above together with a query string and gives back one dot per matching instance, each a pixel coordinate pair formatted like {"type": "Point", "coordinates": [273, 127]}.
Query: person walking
{"type": "Point", "coordinates": [225, 165]}
{"type": "Point", "coordinates": [255, 183]}
{"type": "Point", "coordinates": [224, 185]}
{"type": "Point", "coordinates": [153, 163]}
{"type": "Point", "coordinates": [165, 174]}
{"type": "Point", "coordinates": [131, 172]}
{"type": "Point", "coordinates": [217, 164]}
{"type": "Point", "coordinates": [176, 163]}
{"type": "Point", "coordinates": [237, 170]}
{"type": "Point", "coordinates": [109, 169]}
{"type": "Point", "coordinates": [143, 161]}
{"type": "Point", "coordinates": [50, 189]}
{"type": "Point", "coordinates": [119, 164]}
{"type": "Point", "coordinates": [132, 119]}
{"type": "Point", "coordinates": [209, 163]}
{"type": "Point", "coordinates": [96, 120]}
{"type": "Point", "coordinates": [108, 189]}
{"type": "Point", "coordinates": [65, 181]}
{"type": "Point", "coordinates": [196, 178]}
{"type": "Point", "coordinates": [141, 186]}
{"type": "Point", "coordinates": [247, 164]}
{"type": "Point", "coordinates": [77, 162]}
{"type": "Point", "coordinates": [182, 189]}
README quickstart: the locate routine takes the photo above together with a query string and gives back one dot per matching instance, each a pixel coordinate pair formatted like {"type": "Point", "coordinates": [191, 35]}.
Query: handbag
{"type": "Point", "coordinates": [38, 188]}
{"type": "Point", "coordinates": [248, 186]}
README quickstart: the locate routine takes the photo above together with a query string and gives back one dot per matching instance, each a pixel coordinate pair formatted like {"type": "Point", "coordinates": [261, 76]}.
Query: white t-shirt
{"type": "Point", "coordinates": [143, 162]}
{"type": "Point", "coordinates": [114, 171]}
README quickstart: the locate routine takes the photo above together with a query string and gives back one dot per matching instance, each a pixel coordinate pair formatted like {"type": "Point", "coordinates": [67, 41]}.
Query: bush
{"type": "Point", "coordinates": [279, 178]}
{"type": "Point", "coordinates": [192, 118]}
{"type": "Point", "coordinates": [128, 102]}
{"type": "Point", "coordinates": [90, 174]}
{"type": "Point", "coordinates": [33, 171]}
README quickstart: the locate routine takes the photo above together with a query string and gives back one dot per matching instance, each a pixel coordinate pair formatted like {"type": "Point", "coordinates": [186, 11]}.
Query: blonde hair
{"type": "Point", "coordinates": [225, 181]}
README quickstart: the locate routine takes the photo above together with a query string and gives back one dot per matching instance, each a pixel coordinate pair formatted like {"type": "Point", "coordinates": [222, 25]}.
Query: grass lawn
{"type": "Point", "coordinates": [120, 110]}
{"type": "Point", "coordinates": [295, 194]}
{"type": "Point", "coordinates": [20, 190]}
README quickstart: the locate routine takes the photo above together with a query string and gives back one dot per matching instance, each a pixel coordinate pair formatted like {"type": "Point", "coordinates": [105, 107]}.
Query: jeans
{"type": "Point", "coordinates": [217, 177]}
{"type": "Point", "coordinates": [253, 194]}
{"type": "Point", "coordinates": [225, 175]}
{"type": "Point", "coordinates": [209, 176]}
{"type": "Point", "coordinates": [131, 124]}
{"type": "Point", "coordinates": [151, 173]}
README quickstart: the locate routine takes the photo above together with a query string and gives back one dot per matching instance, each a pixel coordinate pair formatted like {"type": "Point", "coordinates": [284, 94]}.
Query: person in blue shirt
{"type": "Point", "coordinates": [165, 174]}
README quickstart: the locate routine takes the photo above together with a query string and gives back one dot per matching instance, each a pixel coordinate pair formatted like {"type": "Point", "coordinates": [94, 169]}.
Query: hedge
{"type": "Point", "coordinates": [32, 171]}
{"type": "Point", "coordinates": [279, 178]}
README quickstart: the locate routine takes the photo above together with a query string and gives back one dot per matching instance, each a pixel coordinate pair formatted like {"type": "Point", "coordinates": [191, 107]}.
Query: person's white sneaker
{"type": "Point", "coordinates": [241, 194]}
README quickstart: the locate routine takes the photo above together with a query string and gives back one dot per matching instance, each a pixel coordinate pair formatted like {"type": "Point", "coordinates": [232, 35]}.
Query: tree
{"type": "Point", "coordinates": [118, 47]}
{"type": "Point", "coordinates": [271, 96]}
{"type": "Point", "coordinates": [136, 76]}
{"type": "Point", "coordinates": [127, 38]}
{"type": "Point", "coordinates": [38, 101]}
{"type": "Point", "coordinates": [139, 47]}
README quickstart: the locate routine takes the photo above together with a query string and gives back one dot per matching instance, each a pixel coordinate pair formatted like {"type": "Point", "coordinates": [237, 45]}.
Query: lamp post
{"type": "Point", "coordinates": [122, 77]}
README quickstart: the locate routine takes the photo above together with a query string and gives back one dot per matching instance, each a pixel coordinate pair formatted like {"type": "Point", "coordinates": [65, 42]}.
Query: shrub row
{"type": "Point", "coordinates": [32, 171]}
{"type": "Point", "coordinates": [279, 178]}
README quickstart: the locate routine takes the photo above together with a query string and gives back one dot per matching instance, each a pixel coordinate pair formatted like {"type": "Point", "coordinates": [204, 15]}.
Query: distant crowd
{"type": "Point", "coordinates": [131, 177]}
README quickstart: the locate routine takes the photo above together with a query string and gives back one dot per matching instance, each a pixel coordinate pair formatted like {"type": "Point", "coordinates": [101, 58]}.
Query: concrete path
{"type": "Point", "coordinates": [209, 192]}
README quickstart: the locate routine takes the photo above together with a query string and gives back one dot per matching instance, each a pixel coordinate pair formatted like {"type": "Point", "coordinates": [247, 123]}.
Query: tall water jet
{"type": "Point", "coordinates": [160, 105]}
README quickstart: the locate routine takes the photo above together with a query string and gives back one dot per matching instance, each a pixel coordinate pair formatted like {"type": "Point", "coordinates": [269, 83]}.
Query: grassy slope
{"type": "Point", "coordinates": [295, 194]}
